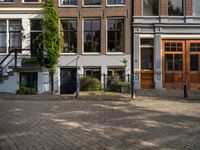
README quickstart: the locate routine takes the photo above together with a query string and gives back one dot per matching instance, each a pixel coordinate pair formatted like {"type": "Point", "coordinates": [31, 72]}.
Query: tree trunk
{"type": "Point", "coordinates": [52, 83]}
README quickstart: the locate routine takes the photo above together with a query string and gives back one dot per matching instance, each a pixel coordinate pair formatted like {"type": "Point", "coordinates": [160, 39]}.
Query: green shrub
{"type": "Point", "coordinates": [26, 90]}
{"type": "Point", "coordinates": [115, 85]}
{"type": "Point", "coordinates": [33, 60]}
{"type": "Point", "coordinates": [90, 84]}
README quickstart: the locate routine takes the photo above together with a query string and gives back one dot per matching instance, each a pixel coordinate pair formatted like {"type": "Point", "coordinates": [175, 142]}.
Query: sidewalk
{"type": "Point", "coordinates": [140, 95]}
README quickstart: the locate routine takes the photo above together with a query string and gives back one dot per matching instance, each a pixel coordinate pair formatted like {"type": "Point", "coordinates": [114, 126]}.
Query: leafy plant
{"type": "Point", "coordinates": [51, 37]}
{"type": "Point", "coordinates": [26, 90]}
{"type": "Point", "coordinates": [90, 84]}
{"type": "Point", "coordinates": [33, 60]}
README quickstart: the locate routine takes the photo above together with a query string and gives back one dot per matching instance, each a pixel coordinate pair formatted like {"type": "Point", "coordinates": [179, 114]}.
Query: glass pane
{"type": "Point", "coordinates": [111, 24]}
{"type": "Point", "coordinates": [96, 25]}
{"type": "Point", "coordinates": [175, 7]}
{"type": "Point", "coordinates": [178, 62]}
{"type": "Point", "coordinates": [3, 26]}
{"type": "Point", "coordinates": [196, 8]}
{"type": "Point", "coordinates": [15, 25]}
{"type": "Point", "coordinates": [150, 7]}
{"type": "Point", "coordinates": [36, 25]}
{"type": "Point", "coordinates": [3, 42]}
{"type": "Point", "coordinates": [168, 62]}
{"type": "Point", "coordinates": [149, 42]}
{"type": "Point", "coordinates": [147, 58]}
{"type": "Point", "coordinates": [88, 25]}
{"type": "Point", "coordinates": [15, 40]}
{"type": "Point", "coordinates": [194, 62]}
{"type": "Point", "coordinates": [167, 46]}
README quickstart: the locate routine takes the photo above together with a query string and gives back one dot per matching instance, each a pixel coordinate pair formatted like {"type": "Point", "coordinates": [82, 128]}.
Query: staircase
{"type": "Point", "coordinates": [9, 75]}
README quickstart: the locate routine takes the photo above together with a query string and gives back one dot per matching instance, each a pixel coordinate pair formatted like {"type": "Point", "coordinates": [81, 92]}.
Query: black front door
{"type": "Point", "coordinates": [68, 80]}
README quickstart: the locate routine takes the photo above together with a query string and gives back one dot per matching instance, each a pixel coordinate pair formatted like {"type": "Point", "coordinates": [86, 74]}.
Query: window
{"type": "Point", "coordinates": [115, 2]}
{"type": "Point", "coordinates": [3, 32]}
{"type": "Point", "coordinates": [116, 74]}
{"type": "Point", "coordinates": [147, 58]}
{"type": "Point", "coordinates": [196, 8]}
{"type": "Point", "coordinates": [10, 29]}
{"type": "Point", "coordinates": [147, 46]}
{"type": "Point", "coordinates": [33, 1]}
{"type": "Point", "coordinates": [173, 62]}
{"type": "Point", "coordinates": [6, 1]}
{"type": "Point", "coordinates": [36, 38]}
{"type": "Point", "coordinates": [68, 2]}
{"type": "Point", "coordinates": [69, 34]}
{"type": "Point", "coordinates": [28, 79]}
{"type": "Point", "coordinates": [195, 47]}
{"type": "Point", "coordinates": [115, 35]}
{"type": "Point", "coordinates": [92, 35]}
{"type": "Point", "coordinates": [175, 7]}
{"type": "Point", "coordinates": [173, 46]}
{"type": "Point", "coordinates": [15, 34]}
{"type": "Point", "coordinates": [93, 72]}
{"type": "Point", "coordinates": [92, 2]}
{"type": "Point", "coordinates": [150, 7]}
{"type": "Point", "coordinates": [194, 62]}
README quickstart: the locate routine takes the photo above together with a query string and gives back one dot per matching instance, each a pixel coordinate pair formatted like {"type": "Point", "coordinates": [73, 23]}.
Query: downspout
{"type": "Point", "coordinates": [132, 53]}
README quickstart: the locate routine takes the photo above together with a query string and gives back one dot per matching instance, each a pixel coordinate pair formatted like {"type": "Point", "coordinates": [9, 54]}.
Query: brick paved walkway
{"type": "Point", "coordinates": [138, 125]}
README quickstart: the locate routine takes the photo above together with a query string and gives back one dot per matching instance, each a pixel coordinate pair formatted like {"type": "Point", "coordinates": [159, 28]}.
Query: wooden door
{"type": "Point", "coordinates": [193, 65]}
{"type": "Point", "coordinates": [68, 80]}
{"type": "Point", "coordinates": [147, 73]}
{"type": "Point", "coordinates": [174, 64]}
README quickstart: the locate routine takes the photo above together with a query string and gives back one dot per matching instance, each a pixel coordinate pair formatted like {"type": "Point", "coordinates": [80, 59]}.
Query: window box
{"type": "Point", "coordinates": [30, 62]}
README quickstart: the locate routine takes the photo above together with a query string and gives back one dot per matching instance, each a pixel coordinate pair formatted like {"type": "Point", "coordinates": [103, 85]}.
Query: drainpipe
{"type": "Point", "coordinates": [132, 54]}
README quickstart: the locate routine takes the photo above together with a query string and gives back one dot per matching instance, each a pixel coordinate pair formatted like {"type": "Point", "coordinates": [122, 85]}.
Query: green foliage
{"type": "Point", "coordinates": [33, 60]}
{"type": "Point", "coordinates": [51, 33]}
{"type": "Point", "coordinates": [26, 90]}
{"type": "Point", "coordinates": [90, 84]}
{"type": "Point", "coordinates": [120, 83]}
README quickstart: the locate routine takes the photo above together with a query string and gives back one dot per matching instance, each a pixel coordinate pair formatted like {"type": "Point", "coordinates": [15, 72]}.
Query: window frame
{"type": "Point", "coordinates": [62, 5]}
{"type": "Point", "coordinates": [83, 36]}
{"type": "Point", "coordinates": [4, 2]}
{"type": "Point", "coordinates": [115, 5]}
{"type": "Point", "coordinates": [68, 53]}
{"type": "Point", "coordinates": [91, 5]}
{"type": "Point", "coordinates": [124, 35]}
{"type": "Point", "coordinates": [42, 2]}
{"type": "Point", "coordinates": [183, 9]}
{"type": "Point", "coordinates": [159, 4]}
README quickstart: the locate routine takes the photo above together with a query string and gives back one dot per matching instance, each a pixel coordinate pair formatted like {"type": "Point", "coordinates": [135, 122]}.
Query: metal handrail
{"type": "Point", "coordinates": [14, 50]}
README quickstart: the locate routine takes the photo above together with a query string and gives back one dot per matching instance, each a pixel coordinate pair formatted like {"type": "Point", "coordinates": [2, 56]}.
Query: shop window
{"type": "Point", "coordinates": [194, 62]}
{"type": "Point", "coordinates": [173, 46]}
{"type": "Point", "coordinates": [173, 62]}
{"type": "Point", "coordinates": [195, 47]}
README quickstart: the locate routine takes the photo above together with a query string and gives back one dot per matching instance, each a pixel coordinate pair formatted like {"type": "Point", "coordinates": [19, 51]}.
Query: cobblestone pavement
{"type": "Point", "coordinates": [85, 125]}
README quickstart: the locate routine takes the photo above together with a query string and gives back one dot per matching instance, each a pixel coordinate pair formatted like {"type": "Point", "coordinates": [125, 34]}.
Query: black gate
{"type": "Point", "coordinates": [68, 80]}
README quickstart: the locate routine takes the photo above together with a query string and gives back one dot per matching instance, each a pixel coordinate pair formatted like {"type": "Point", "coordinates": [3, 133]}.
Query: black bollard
{"type": "Point", "coordinates": [185, 90]}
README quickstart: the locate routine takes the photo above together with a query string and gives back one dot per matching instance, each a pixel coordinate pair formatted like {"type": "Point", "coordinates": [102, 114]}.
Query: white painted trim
{"type": "Point", "coordinates": [180, 36]}
{"type": "Point", "coordinates": [20, 9]}
{"type": "Point", "coordinates": [68, 6]}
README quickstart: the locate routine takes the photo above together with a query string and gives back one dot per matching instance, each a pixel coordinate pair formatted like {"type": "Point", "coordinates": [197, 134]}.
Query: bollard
{"type": "Point", "coordinates": [185, 90]}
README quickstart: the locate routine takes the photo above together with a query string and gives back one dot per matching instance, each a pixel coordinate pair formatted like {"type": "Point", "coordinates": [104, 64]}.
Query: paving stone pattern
{"type": "Point", "coordinates": [99, 125]}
